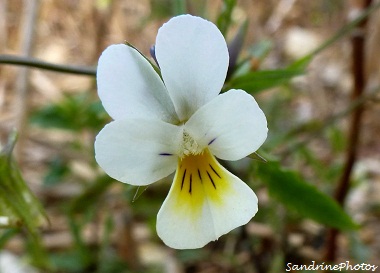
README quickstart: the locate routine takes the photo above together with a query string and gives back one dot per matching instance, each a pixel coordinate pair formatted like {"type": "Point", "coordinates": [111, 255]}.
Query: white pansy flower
{"type": "Point", "coordinates": [180, 123]}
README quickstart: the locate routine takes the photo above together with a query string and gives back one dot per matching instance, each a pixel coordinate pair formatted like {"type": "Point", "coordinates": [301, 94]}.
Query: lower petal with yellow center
{"type": "Point", "coordinates": [205, 201]}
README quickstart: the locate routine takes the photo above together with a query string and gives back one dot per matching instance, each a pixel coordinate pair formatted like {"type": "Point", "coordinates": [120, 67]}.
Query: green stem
{"type": "Point", "coordinates": [314, 127]}
{"type": "Point", "coordinates": [36, 63]}
{"type": "Point", "coordinates": [341, 33]}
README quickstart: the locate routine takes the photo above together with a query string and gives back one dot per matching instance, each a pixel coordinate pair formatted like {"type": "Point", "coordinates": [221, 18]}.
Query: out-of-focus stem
{"type": "Point", "coordinates": [21, 105]}
{"type": "Point", "coordinates": [36, 63]}
{"type": "Point", "coordinates": [3, 24]}
{"type": "Point", "coordinates": [358, 58]}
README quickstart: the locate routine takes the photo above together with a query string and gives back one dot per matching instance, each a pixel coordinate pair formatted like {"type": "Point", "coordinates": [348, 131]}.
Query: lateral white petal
{"type": "Point", "coordinates": [193, 58]}
{"type": "Point", "coordinates": [129, 87]}
{"type": "Point", "coordinates": [232, 125]}
{"type": "Point", "coordinates": [137, 151]}
{"type": "Point", "coordinates": [203, 204]}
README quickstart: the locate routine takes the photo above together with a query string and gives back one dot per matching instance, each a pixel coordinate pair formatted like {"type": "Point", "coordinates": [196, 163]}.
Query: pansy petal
{"type": "Point", "coordinates": [136, 151]}
{"type": "Point", "coordinates": [193, 58]}
{"type": "Point", "coordinates": [232, 125]}
{"type": "Point", "coordinates": [129, 87]}
{"type": "Point", "coordinates": [204, 202]}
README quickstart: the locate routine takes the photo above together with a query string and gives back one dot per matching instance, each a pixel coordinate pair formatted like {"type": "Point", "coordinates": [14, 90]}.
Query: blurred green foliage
{"type": "Point", "coordinates": [224, 20]}
{"type": "Point", "coordinates": [296, 194]}
{"type": "Point", "coordinates": [18, 205]}
{"type": "Point", "coordinates": [256, 81]}
{"type": "Point", "coordinates": [74, 112]}
{"type": "Point", "coordinates": [57, 170]}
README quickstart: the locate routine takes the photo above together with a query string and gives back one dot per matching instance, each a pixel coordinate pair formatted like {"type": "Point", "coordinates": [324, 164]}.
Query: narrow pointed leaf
{"type": "Point", "coordinates": [296, 194]}
{"type": "Point", "coordinates": [18, 205]}
{"type": "Point", "coordinates": [235, 47]}
{"type": "Point", "coordinates": [256, 81]}
{"type": "Point", "coordinates": [225, 17]}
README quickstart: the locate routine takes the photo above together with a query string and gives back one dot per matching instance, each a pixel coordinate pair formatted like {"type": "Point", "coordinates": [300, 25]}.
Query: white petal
{"type": "Point", "coordinates": [232, 125]}
{"type": "Point", "coordinates": [193, 58]}
{"type": "Point", "coordinates": [204, 202]}
{"type": "Point", "coordinates": [138, 152]}
{"type": "Point", "coordinates": [129, 87]}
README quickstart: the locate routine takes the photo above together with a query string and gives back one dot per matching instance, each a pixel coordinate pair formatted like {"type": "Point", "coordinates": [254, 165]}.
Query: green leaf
{"type": "Point", "coordinates": [301, 63]}
{"type": "Point", "coordinates": [7, 235]}
{"type": "Point", "coordinates": [58, 169]}
{"type": "Point", "coordinates": [235, 47]}
{"type": "Point", "coordinates": [224, 20]}
{"type": "Point", "coordinates": [90, 195]}
{"type": "Point", "coordinates": [256, 81]}
{"type": "Point", "coordinates": [69, 261]}
{"type": "Point", "coordinates": [296, 194]}
{"type": "Point", "coordinates": [73, 112]}
{"type": "Point", "coordinates": [260, 49]}
{"type": "Point", "coordinates": [161, 9]}
{"type": "Point", "coordinates": [18, 205]}
{"type": "Point", "coordinates": [179, 7]}
{"type": "Point", "coordinates": [305, 60]}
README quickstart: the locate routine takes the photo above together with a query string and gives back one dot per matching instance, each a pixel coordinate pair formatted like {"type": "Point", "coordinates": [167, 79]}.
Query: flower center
{"type": "Point", "coordinates": [189, 146]}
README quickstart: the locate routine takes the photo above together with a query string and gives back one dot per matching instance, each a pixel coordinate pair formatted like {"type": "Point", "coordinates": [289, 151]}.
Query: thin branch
{"type": "Point", "coordinates": [36, 63]}
{"type": "Point", "coordinates": [358, 58]}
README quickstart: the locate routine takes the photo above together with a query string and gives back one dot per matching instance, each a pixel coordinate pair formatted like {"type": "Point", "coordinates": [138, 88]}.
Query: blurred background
{"type": "Point", "coordinates": [323, 145]}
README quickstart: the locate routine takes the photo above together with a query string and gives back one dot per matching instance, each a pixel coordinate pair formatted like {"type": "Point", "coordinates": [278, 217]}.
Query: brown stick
{"type": "Point", "coordinates": [21, 105]}
{"type": "Point", "coordinates": [358, 64]}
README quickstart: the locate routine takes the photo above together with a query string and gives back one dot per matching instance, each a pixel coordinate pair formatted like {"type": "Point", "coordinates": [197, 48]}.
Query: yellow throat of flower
{"type": "Point", "coordinates": [199, 178]}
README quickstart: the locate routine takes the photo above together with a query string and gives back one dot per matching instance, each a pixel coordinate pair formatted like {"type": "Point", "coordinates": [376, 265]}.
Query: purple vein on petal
{"type": "Point", "coordinates": [212, 140]}
{"type": "Point", "coordinates": [165, 154]}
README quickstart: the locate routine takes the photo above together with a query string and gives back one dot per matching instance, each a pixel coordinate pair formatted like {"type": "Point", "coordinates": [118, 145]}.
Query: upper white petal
{"type": "Point", "coordinates": [193, 58]}
{"type": "Point", "coordinates": [136, 151]}
{"type": "Point", "coordinates": [232, 125]}
{"type": "Point", "coordinates": [129, 87]}
{"type": "Point", "coordinates": [185, 222]}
